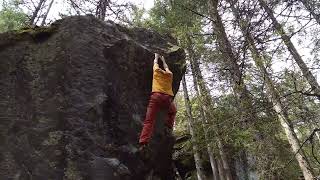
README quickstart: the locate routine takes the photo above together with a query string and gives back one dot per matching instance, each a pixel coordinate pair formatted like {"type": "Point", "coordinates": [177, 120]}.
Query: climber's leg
{"type": "Point", "coordinates": [171, 115]}
{"type": "Point", "coordinates": [148, 124]}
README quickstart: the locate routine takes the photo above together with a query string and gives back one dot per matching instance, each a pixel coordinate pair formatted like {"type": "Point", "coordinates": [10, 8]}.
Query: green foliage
{"type": "Point", "coordinates": [264, 138]}
{"type": "Point", "coordinates": [137, 16]}
{"type": "Point", "coordinates": [11, 17]}
{"type": "Point", "coordinates": [169, 17]}
{"type": "Point", "coordinates": [272, 151]}
{"type": "Point", "coordinates": [181, 124]}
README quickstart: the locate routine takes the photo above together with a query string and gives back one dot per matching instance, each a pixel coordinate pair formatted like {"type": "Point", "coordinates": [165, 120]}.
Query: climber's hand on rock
{"type": "Point", "coordinates": [162, 58]}
{"type": "Point", "coordinates": [156, 55]}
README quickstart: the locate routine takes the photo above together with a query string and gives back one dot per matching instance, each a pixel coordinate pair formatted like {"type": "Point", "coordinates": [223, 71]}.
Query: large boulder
{"type": "Point", "coordinates": [73, 97]}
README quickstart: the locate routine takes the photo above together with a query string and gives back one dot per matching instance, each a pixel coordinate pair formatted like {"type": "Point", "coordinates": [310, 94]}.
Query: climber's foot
{"type": "Point", "coordinates": [168, 131]}
{"type": "Point", "coordinates": [144, 151]}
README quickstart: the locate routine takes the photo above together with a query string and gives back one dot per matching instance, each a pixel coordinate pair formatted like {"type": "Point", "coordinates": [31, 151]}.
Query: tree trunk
{"type": "Point", "coordinates": [197, 159]}
{"type": "Point", "coordinates": [46, 15]}
{"type": "Point", "coordinates": [243, 169]}
{"type": "Point", "coordinates": [222, 175]}
{"type": "Point", "coordinates": [225, 48]}
{"type": "Point", "coordinates": [309, 7]}
{"type": "Point", "coordinates": [224, 160]}
{"type": "Point", "coordinates": [214, 165]}
{"type": "Point", "coordinates": [239, 87]}
{"type": "Point", "coordinates": [286, 39]}
{"type": "Point", "coordinates": [36, 11]}
{"type": "Point", "coordinates": [295, 145]}
{"type": "Point", "coordinates": [275, 97]}
{"type": "Point", "coordinates": [102, 9]}
{"type": "Point", "coordinates": [198, 80]}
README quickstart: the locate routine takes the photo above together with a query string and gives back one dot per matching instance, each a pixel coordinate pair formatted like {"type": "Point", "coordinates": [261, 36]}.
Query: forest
{"type": "Point", "coordinates": [249, 102]}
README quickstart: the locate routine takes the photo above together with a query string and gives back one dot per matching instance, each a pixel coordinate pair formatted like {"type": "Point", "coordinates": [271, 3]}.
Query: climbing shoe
{"type": "Point", "coordinates": [168, 131]}
{"type": "Point", "coordinates": [144, 151]}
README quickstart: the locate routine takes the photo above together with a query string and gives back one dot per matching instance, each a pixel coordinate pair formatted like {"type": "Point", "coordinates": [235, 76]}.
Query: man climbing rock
{"type": "Point", "coordinates": [161, 98]}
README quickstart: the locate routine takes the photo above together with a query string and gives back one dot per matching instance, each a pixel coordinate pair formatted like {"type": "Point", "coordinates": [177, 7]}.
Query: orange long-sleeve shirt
{"type": "Point", "coordinates": [162, 81]}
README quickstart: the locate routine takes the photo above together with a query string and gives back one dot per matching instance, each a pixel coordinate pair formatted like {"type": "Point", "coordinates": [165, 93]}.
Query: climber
{"type": "Point", "coordinates": [161, 97]}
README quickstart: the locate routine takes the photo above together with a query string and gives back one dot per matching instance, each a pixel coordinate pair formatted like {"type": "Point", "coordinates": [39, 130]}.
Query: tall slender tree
{"type": "Point", "coordinates": [36, 12]}
{"type": "Point", "coordinates": [295, 54]}
{"type": "Point", "coordinates": [205, 100]}
{"type": "Point", "coordinates": [224, 159]}
{"type": "Point", "coordinates": [196, 154]}
{"type": "Point", "coordinates": [225, 48]}
{"type": "Point", "coordinates": [46, 14]}
{"type": "Point", "coordinates": [101, 9]}
{"type": "Point", "coordinates": [274, 95]}
{"type": "Point", "coordinates": [206, 114]}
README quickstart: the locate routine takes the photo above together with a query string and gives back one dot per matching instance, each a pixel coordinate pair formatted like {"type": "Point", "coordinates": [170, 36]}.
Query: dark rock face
{"type": "Point", "coordinates": [72, 100]}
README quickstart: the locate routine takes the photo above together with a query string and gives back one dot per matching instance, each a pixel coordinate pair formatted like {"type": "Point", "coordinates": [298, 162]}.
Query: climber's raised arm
{"type": "Point", "coordinates": [155, 61]}
{"type": "Point", "coordinates": [165, 65]}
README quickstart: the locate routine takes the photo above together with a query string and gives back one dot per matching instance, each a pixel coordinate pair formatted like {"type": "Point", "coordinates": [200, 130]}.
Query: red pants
{"type": "Point", "coordinates": [157, 101]}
